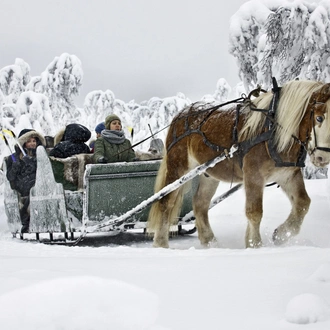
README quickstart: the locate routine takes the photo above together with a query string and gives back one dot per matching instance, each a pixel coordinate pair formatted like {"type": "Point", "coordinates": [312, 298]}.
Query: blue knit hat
{"type": "Point", "coordinates": [99, 128]}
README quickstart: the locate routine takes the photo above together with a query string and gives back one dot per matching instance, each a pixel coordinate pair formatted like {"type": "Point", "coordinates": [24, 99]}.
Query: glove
{"type": "Point", "coordinates": [102, 160]}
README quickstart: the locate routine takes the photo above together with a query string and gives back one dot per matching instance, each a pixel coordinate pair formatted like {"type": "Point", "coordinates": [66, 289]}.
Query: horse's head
{"type": "Point", "coordinates": [319, 143]}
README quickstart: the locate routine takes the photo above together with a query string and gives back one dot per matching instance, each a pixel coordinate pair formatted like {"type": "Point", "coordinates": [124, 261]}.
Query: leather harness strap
{"type": "Point", "coordinates": [266, 136]}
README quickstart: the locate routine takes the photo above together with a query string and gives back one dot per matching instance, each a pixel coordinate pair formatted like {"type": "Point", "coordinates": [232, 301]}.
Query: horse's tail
{"type": "Point", "coordinates": [154, 216]}
{"type": "Point", "coordinates": [171, 205]}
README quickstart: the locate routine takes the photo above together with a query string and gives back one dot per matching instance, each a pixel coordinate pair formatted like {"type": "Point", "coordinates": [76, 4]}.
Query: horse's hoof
{"type": "Point", "coordinates": [253, 245]}
{"type": "Point", "coordinates": [213, 243]}
{"type": "Point", "coordinates": [280, 238]}
{"type": "Point", "coordinates": [160, 245]}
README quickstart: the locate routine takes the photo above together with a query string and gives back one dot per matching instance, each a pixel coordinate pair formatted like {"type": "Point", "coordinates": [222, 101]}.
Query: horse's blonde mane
{"type": "Point", "coordinates": [294, 98]}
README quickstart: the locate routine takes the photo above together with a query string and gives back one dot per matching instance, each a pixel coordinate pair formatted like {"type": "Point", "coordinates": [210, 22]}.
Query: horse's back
{"type": "Point", "coordinates": [200, 132]}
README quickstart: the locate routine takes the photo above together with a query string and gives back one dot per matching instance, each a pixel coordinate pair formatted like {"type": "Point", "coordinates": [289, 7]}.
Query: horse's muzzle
{"type": "Point", "coordinates": [319, 159]}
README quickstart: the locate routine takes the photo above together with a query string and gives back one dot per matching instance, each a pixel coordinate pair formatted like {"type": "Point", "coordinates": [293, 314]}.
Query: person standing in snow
{"type": "Point", "coordinates": [112, 146]}
{"type": "Point", "coordinates": [71, 141]}
{"type": "Point", "coordinates": [22, 170]}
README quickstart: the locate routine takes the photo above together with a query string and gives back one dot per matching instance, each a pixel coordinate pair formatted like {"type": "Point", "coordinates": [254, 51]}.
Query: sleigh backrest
{"type": "Point", "coordinates": [113, 189]}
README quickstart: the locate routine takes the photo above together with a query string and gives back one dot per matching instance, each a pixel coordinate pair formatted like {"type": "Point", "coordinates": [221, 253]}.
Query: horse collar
{"type": "Point", "coordinates": [268, 135]}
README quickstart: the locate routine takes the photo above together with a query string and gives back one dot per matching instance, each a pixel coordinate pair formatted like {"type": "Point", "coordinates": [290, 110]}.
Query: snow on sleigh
{"type": "Point", "coordinates": [106, 200]}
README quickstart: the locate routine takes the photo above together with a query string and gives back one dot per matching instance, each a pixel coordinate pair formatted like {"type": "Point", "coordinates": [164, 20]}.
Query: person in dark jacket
{"type": "Point", "coordinates": [112, 146]}
{"type": "Point", "coordinates": [98, 129]}
{"type": "Point", "coordinates": [22, 169]}
{"type": "Point", "coordinates": [71, 141]}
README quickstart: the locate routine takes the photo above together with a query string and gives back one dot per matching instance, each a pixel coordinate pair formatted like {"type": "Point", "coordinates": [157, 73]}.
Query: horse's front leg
{"type": "Point", "coordinates": [253, 209]}
{"type": "Point", "coordinates": [294, 187]}
{"type": "Point", "coordinates": [201, 201]}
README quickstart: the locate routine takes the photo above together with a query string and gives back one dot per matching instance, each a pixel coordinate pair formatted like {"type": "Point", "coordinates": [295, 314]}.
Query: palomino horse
{"type": "Point", "coordinates": [272, 146]}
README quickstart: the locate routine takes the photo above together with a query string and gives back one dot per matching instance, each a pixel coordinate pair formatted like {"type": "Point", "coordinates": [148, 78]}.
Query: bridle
{"type": "Point", "coordinates": [314, 132]}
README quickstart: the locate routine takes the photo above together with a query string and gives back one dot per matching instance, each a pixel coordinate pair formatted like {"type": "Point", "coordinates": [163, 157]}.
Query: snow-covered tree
{"type": "Point", "coordinates": [284, 39]}
{"type": "Point", "coordinates": [1, 107]}
{"type": "Point", "coordinates": [221, 93]}
{"type": "Point", "coordinates": [160, 114]}
{"type": "Point", "coordinates": [60, 81]}
{"type": "Point", "coordinates": [13, 80]}
{"type": "Point", "coordinates": [9, 115]}
{"type": "Point", "coordinates": [34, 113]}
{"type": "Point", "coordinates": [97, 106]}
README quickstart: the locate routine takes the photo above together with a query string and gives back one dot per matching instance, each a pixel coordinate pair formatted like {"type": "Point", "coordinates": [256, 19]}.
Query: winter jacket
{"type": "Point", "coordinates": [21, 173]}
{"type": "Point", "coordinates": [71, 141]}
{"type": "Point", "coordinates": [113, 152]}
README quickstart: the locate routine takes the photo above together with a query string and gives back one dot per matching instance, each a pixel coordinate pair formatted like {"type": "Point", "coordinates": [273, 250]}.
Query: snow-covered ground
{"type": "Point", "coordinates": [128, 284]}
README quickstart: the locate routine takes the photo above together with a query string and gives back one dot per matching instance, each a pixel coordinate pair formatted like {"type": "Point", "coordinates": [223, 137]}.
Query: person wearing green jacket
{"type": "Point", "coordinates": [112, 146]}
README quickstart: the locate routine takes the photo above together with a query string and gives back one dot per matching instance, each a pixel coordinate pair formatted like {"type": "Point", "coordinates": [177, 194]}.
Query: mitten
{"type": "Point", "coordinates": [102, 160]}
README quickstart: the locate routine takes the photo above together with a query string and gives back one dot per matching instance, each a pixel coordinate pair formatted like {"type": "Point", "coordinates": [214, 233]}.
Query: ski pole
{"type": "Point", "coordinates": [7, 144]}
{"type": "Point", "coordinates": [10, 132]}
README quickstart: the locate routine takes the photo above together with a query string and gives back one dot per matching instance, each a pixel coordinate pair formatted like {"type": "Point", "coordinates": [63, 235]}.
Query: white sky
{"type": "Point", "coordinates": [136, 48]}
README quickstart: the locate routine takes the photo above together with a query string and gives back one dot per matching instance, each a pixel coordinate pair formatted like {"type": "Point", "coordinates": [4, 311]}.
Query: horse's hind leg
{"type": "Point", "coordinates": [168, 209]}
{"type": "Point", "coordinates": [201, 201]}
{"type": "Point", "coordinates": [164, 212]}
{"type": "Point", "coordinates": [294, 187]}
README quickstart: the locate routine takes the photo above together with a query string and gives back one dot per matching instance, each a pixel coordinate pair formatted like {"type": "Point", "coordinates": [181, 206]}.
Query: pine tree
{"type": "Point", "coordinates": [98, 105]}
{"type": "Point", "coordinates": [13, 80]}
{"type": "Point", "coordinates": [60, 81]}
{"type": "Point", "coordinates": [287, 40]}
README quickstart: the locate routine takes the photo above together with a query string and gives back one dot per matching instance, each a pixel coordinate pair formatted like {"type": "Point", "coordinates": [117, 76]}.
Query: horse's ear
{"type": "Point", "coordinates": [322, 95]}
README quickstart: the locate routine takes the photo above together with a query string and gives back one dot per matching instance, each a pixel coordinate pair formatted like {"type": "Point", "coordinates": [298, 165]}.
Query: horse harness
{"type": "Point", "coordinates": [188, 130]}
{"type": "Point", "coordinates": [266, 136]}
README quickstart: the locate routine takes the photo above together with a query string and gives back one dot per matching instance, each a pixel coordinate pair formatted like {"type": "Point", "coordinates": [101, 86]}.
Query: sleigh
{"type": "Point", "coordinates": [105, 193]}
{"type": "Point", "coordinates": [110, 199]}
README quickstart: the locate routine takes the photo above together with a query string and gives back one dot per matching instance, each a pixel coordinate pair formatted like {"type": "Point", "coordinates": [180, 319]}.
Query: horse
{"type": "Point", "coordinates": [273, 131]}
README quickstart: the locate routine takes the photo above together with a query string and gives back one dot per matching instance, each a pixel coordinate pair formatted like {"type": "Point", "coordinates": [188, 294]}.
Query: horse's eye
{"type": "Point", "coordinates": [319, 119]}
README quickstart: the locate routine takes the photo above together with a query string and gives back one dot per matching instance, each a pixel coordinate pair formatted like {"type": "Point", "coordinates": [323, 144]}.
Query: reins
{"type": "Point", "coordinates": [140, 142]}
{"type": "Point", "coordinates": [267, 136]}
{"type": "Point", "coordinates": [210, 110]}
